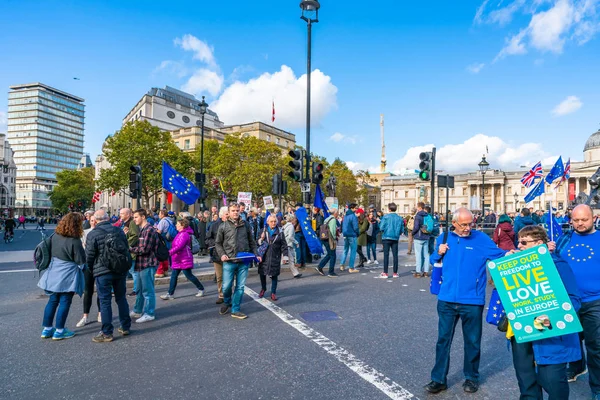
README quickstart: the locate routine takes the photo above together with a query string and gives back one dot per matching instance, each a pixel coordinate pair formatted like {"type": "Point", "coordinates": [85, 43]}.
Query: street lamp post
{"type": "Point", "coordinates": [203, 108]}
{"type": "Point", "coordinates": [516, 195]}
{"type": "Point", "coordinates": [484, 166]}
{"type": "Point", "coordinates": [310, 14]}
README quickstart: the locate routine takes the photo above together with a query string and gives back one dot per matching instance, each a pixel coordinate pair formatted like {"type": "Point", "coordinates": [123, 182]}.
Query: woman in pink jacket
{"type": "Point", "coordinates": [182, 259]}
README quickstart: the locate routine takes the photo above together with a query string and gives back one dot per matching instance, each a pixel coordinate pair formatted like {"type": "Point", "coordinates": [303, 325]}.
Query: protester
{"type": "Point", "coordinates": [64, 276]}
{"type": "Point", "coordinates": [234, 236]}
{"type": "Point", "coordinates": [421, 239]}
{"type": "Point", "coordinates": [461, 296]}
{"type": "Point", "coordinates": [88, 293]}
{"type": "Point", "coordinates": [243, 213]}
{"type": "Point", "coordinates": [182, 259]}
{"type": "Point", "coordinates": [330, 245]}
{"type": "Point", "coordinates": [271, 260]}
{"type": "Point", "coordinates": [202, 223]}
{"type": "Point", "coordinates": [580, 248]}
{"type": "Point", "coordinates": [145, 265]}
{"type": "Point", "coordinates": [107, 280]}
{"type": "Point", "coordinates": [302, 254]}
{"type": "Point", "coordinates": [290, 239]}
{"type": "Point", "coordinates": [163, 227]}
{"type": "Point", "coordinates": [372, 233]}
{"type": "Point", "coordinates": [524, 219]}
{"type": "Point", "coordinates": [215, 257]}
{"type": "Point", "coordinates": [131, 230]}
{"type": "Point", "coordinates": [504, 234]}
{"type": "Point", "coordinates": [21, 221]}
{"type": "Point", "coordinates": [363, 227]}
{"type": "Point", "coordinates": [87, 224]}
{"type": "Point", "coordinates": [542, 364]}
{"type": "Point", "coordinates": [391, 227]}
{"type": "Point", "coordinates": [350, 230]}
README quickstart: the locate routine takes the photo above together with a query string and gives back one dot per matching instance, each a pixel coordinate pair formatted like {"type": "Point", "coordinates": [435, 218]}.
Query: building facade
{"type": "Point", "coordinates": [8, 175]}
{"type": "Point", "coordinates": [46, 132]}
{"type": "Point", "coordinates": [171, 109]}
{"type": "Point", "coordinates": [503, 191]}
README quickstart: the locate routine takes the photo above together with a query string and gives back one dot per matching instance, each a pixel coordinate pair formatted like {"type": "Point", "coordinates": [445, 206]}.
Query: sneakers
{"type": "Point", "coordinates": [470, 386]}
{"type": "Point", "coordinates": [47, 333]}
{"type": "Point", "coordinates": [332, 275]}
{"type": "Point", "coordinates": [383, 275]}
{"type": "Point", "coordinates": [369, 262]}
{"type": "Point", "coordinates": [320, 270]}
{"type": "Point", "coordinates": [298, 276]}
{"type": "Point", "coordinates": [571, 375]}
{"type": "Point", "coordinates": [225, 309]}
{"type": "Point", "coordinates": [123, 332]}
{"type": "Point", "coordinates": [240, 315]}
{"type": "Point", "coordinates": [133, 314]}
{"type": "Point", "coordinates": [82, 322]}
{"type": "Point", "coordinates": [159, 275]}
{"type": "Point", "coordinates": [375, 262]}
{"type": "Point", "coordinates": [435, 387]}
{"type": "Point", "coordinates": [353, 270]}
{"type": "Point", "coordinates": [273, 297]}
{"type": "Point", "coordinates": [261, 294]}
{"type": "Point", "coordinates": [99, 318]}
{"type": "Point", "coordinates": [131, 294]}
{"type": "Point", "coordinates": [417, 275]}
{"type": "Point", "coordinates": [342, 267]}
{"type": "Point", "coordinates": [101, 338]}
{"type": "Point", "coordinates": [65, 334]}
{"type": "Point", "coordinates": [167, 296]}
{"type": "Point", "coordinates": [200, 293]}
{"type": "Point", "coordinates": [396, 276]}
{"type": "Point", "coordinates": [145, 318]}
{"type": "Point", "coordinates": [219, 300]}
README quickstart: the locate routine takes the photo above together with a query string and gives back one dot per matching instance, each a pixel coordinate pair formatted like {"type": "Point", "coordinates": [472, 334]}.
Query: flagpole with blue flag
{"type": "Point", "coordinates": [320, 201]}
{"type": "Point", "coordinates": [537, 190]}
{"type": "Point", "coordinates": [556, 172]}
{"type": "Point", "coordinates": [178, 184]}
{"type": "Point", "coordinates": [314, 244]}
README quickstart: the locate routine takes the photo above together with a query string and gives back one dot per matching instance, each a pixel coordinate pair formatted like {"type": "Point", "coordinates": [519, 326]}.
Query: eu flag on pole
{"type": "Point", "coordinates": [556, 172]}
{"type": "Point", "coordinates": [178, 184]}
{"type": "Point", "coordinates": [537, 190]}
{"type": "Point", "coordinates": [320, 201]}
{"type": "Point", "coordinates": [495, 310]}
{"type": "Point", "coordinates": [553, 227]}
{"type": "Point", "coordinates": [314, 244]}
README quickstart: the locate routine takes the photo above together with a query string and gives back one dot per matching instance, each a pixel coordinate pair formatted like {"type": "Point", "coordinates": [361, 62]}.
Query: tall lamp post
{"type": "Point", "coordinates": [203, 107]}
{"type": "Point", "coordinates": [484, 166]}
{"type": "Point", "coordinates": [310, 14]}
{"type": "Point", "coordinates": [516, 195]}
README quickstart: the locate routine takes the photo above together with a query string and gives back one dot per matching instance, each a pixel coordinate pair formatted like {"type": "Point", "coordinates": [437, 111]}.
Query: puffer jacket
{"type": "Point", "coordinates": [504, 236]}
{"type": "Point", "coordinates": [211, 237]}
{"type": "Point", "coordinates": [94, 246]}
{"type": "Point", "coordinates": [278, 247]}
{"type": "Point", "coordinates": [234, 237]}
{"type": "Point", "coordinates": [181, 250]}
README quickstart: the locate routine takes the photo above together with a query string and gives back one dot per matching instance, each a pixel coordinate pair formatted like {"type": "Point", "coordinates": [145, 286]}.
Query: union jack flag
{"type": "Point", "coordinates": [566, 174]}
{"type": "Point", "coordinates": [530, 176]}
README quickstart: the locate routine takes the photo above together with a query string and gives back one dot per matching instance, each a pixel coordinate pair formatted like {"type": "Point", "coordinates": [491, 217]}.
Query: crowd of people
{"type": "Point", "coordinates": [97, 251]}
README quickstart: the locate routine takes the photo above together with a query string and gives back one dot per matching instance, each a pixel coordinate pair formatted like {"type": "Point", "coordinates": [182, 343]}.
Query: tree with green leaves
{"type": "Point", "coordinates": [74, 186]}
{"type": "Point", "coordinates": [140, 142]}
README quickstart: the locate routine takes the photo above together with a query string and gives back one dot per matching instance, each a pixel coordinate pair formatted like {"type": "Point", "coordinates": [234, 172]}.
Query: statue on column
{"type": "Point", "coordinates": [330, 186]}
{"type": "Point", "coordinates": [593, 199]}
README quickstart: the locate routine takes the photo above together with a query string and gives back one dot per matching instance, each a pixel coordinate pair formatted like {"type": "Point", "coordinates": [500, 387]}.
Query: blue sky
{"type": "Point", "coordinates": [518, 76]}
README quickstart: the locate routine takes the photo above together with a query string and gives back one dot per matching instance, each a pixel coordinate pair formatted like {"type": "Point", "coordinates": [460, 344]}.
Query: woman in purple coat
{"type": "Point", "coordinates": [182, 259]}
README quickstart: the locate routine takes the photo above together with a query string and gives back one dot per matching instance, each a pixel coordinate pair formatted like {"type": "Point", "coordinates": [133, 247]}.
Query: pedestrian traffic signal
{"type": "Point", "coordinates": [297, 165]}
{"type": "Point", "coordinates": [426, 158]}
{"type": "Point", "coordinates": [135, 181]}
{"type": "Point", "coordinates": [317, 173]}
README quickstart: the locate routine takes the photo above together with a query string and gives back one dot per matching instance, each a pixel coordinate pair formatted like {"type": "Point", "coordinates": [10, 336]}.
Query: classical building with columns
{"type": "Point", "coordinates": [503, 191]}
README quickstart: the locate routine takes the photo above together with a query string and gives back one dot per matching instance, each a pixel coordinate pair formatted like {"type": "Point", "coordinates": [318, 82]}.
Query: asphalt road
{"type": "Point", "coordinates": [385, 327]}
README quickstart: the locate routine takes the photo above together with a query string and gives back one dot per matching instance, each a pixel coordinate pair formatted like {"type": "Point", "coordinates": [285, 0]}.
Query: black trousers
{"type": "Point", "coordinates": [263, 283]}
{"type": "Point", "coordinates": [589, 315]}
{"type": "Point", "coordinates": [88, 292]}
{"type": "Point", "coordinates": [359, 251]}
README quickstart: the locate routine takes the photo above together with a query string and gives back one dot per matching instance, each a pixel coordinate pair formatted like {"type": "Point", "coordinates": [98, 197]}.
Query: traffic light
{"type": "Point", "coordinates": [200, 182]}
{"type": "Point", "coordinates": [135, 181]}
{"type": "Point", "coordinates": [203, 193]}
{"type": "Point", "coordinates": [317, 173]}
{"type": "Point", "coordinates": [297, 165]}
{"type": "Point", "coordinates": [276, 184]}
{"type": "Point", "coordinates": [425, 172]}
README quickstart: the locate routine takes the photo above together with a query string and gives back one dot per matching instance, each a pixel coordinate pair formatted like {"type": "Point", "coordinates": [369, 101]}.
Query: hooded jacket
{"type": "Point", "coordinates": [520, 223]}
{"type": "Point", "coordinates": [504, 236]}
{"type": "Point", "coordinates": [181, 250]}
{"type": "Point", "coordinates": [464, 267]}
{"type": "Point", "coordinates": [350, 225]}
{"type": "Point", "coordinates": [419, 221]}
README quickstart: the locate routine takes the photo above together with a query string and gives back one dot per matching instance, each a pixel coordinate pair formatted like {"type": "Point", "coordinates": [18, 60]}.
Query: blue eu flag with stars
{"type": "Point", "coordinates": [179, 185]}
{"type": "Point", "coordinates": [314, 244]}
{"type": "Point", "coordinates": [556, 172]}
{"type": "Point", "coordinates": [495, 310]}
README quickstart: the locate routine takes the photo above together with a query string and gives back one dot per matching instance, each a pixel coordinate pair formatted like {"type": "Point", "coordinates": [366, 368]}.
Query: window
{"type": "Point", "coordinates": [170, 114]}
{"type": "Point", "coordinates": [277, 140]}
{"type": "Point", "coordinates": [406, 194]}
{"type": "Point", "coordinates": [186, 119]}
{"type": "Point", "coordinates": [186, 145]}
{"type": "Point", "coordinates": [268, 138]}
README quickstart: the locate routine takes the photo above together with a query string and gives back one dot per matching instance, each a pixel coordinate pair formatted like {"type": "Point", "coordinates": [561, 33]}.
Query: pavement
{"type": "Point", "coordinates": [352, 337]}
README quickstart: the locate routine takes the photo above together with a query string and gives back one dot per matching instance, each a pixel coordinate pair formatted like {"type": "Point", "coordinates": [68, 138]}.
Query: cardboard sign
{"type": "Point", "coordinates": [268, 200]}
{"type": "Point", "coordinates": [245, 197]}
{"type": "Point", "coordinates": [332, 202]}
{"type": "Point", "coordinates": [533, 295]}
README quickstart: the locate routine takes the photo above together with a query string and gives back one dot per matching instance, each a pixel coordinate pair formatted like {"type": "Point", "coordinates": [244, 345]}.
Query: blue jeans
{"type": "Point", "coordinates": [387, 246]}
{"type": "Point", "coordinates": [301, 249]}
{"type": "Point", "coordinates": [589, 315]}
{"type": "Point", "coordinates": [350, 244]}
{"type": "Point", "coordinates": [188, 274]}
{"type": "Point", "coordinates": [330, 257]}
{"type": "Point", "coordinates": [62, 301]}
{"type": "Point", "coordinates": [552, 378]}
{"type": "Point", "coordinates": [145, 299]}
{"type": "Point", "coordinates": [105, 285]}
{"type": "Point", "coordinates": [422, 254]}
{"type": "Point", "coordinates": [239, 271]}
{"type": "Point", "coordinates": [471, 317]}
{"type": "Point", "coordinates": [372, 249]}
{"type": "Point", "coordinates": [135, 275]}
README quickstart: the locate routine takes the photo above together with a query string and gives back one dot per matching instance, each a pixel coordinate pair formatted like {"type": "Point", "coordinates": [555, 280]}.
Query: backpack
{"type": "Point", "coordinates": [42, 254]}
{"type": "Point", "coordinates": [324, 232]}
{"type": "Point", "coordinates": [115, 254]}
{"type": "Point", "coordinates": [427, 227]}
{"type": "Point", "coordinates": [411, 223]}
{"type": "Point", "coordinates": [436, 228]}
{"type": "Point", "coordinates": [171, 231]}
{"type": "Point", "coordinates": [162, 251]}
{"type": "Point", "coordinates": [195, 245]}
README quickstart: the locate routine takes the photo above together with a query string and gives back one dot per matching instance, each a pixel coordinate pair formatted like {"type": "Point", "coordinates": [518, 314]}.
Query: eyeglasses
{"type": "Point", "coordinates": [464, 226]}
{"type": "Point", "coordinates": [524, 242]}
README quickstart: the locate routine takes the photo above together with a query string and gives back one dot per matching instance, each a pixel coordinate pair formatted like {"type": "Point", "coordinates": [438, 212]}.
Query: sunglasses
{"type": "Point", "coordinates": [524, 242]}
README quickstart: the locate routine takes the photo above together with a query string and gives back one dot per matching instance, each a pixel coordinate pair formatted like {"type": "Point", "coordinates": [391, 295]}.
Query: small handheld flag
{"type": "Point", "coordinates": [556, 172]}
{"type": "Point", "coordinates": [536, 172]}
{"type": "Point", "coordinates": [495, 310]}
{"type": "Point", "coordinates": [537, 190]}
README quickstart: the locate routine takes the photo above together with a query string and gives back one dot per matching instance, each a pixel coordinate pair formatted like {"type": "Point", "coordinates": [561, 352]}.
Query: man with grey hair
{"type": "Point", "coordinates": [87, 223]}
{"type": "Point", "coordinates": [107, 280]}
{"type": "Point", "coordinates": [212, 251]}
{"type": "Point", "coordinates": [290, 239]}
{"type": "Point", "coordinates": [462, 296]}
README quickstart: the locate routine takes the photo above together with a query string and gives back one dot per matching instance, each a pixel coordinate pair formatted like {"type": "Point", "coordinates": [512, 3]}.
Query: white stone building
{"type": "Point", "coordinates": [8, 174]}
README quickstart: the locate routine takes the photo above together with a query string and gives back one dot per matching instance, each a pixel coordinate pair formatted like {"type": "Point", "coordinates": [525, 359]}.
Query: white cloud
{"type": "Point", "coordinates": [548, 28]}
{"type": "Point", "coordinates": [479, 13]}
{"type": "Point", "coordinates": [339, 137]}
{"type": "Point", "coordinates": [567, 106]}
{"type": "Point", "coordinates": [465, 156]}
{"type": "Point", "coordinates": [336, 137]}
{"type": "Point", "coordinates": [203, 81]}
{"type": "Point", "coordinates": [475, 68]}
{"type": "Point", "coordinates": [514, 46]}
{"type": "Point", "coordinates": [202, 51]}
{"type": "Point", "coordinates": [359, 166]}
{"type": "Point", "coordinates": [251, 101]}
{"type": "Point", "coordinates": [176, 68]}
{"type": "Point", "coordinates": [505, 15]}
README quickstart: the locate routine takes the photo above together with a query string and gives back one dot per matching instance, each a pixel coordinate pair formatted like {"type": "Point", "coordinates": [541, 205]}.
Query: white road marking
{"type": "Point", "coordinates": [386, 385]}
{"type": "Point", "coordinates": [18, 270]}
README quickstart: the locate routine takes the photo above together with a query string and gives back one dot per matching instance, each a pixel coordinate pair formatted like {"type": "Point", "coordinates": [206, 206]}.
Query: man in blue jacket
{"type": "Point", "coordinates": [461, 296]}
{"type": "Point", "coordinates": [421, 237]}
{"type": "Point", "coordinates": [391, 227]}
{"type": "Point", "coordinates": [521, 221]}
{"type": "Point", "coordinates": [350, 232]}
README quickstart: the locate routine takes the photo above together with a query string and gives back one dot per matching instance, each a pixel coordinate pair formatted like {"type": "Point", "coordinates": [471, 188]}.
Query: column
{"type": "Point", "coordinates": [478, 196]}
{"type": "Point", "coordinates": [576, 186]}
{"type": "Point", "coordinates": [502, 197]}
{"type": "Point", "coordinates": [493, 190]}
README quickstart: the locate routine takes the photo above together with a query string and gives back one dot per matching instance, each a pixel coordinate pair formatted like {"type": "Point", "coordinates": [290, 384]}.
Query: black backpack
{"type": "Point", "coordinates": [162, 251]}
{"type": "Point", "coordinates": [42, 254]}
{"type": "Point", "coordinates": [115, 254]}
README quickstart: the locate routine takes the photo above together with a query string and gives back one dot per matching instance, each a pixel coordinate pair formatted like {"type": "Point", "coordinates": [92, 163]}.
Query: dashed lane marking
{"type": "Point", "coordinates": [17, 270]}
{"type": "Point", "coordinates": [384, 384]}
